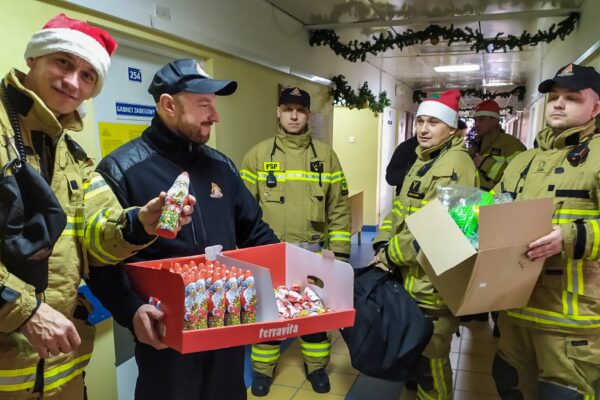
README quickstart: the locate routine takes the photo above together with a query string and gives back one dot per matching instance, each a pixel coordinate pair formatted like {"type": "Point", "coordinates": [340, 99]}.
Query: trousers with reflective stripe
{"type": "Point", "coordinates": [315, 348]}
{"type": "Point", "coordinates": [537, 364]}
{"type": "Point", "coordinates": [433, 374]}
{"type": "Point", "coordinates": [58, 377]}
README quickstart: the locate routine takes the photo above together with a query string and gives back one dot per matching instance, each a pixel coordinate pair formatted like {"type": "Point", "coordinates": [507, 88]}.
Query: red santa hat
{"type": "Point", "coordinates": [443, 106]}
{"type": "Point", "coordinates": [487, 108]}
{"type": "Point", "coordinates": [64, 34]}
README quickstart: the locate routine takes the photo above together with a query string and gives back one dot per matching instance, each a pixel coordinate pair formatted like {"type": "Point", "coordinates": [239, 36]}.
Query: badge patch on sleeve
{"type": "Point", "coordinates": [344, 187]}
{"type": "Point", "coordinates": [271, 166]}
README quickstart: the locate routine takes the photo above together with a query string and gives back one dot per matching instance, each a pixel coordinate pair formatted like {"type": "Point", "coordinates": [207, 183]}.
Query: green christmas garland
{"type": "Point", "coordinates": [355, 50]}
{"type": "Point", "coordinates": [344, 95]}
{"type": "Point", "coordinates": [519, 91]}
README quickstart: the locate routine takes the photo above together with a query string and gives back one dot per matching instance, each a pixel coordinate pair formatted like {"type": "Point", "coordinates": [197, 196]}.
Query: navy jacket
{"type": "Point", "coordinates": [139, 170]}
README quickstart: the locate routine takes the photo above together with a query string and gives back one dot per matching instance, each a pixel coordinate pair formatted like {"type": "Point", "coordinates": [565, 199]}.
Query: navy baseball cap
{"type": "Point", "coordinates": [294, 96]}
{"type": "Point", "coordinates": [574, 77]}
{"type": "Point", "coordinates": [186, 75]}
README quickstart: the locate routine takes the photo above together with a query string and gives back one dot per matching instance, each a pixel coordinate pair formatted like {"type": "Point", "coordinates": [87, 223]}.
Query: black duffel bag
{"type": "Point", "coordinates": [390, 331]}
{"type": "Point", "coordinates": [31, 217]}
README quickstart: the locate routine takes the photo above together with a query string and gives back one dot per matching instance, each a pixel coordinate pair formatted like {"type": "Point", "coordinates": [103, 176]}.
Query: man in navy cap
{"type": "Point", "coordinates": [550, 349]}
{"type": "Point", "coordinates": [186, 109]}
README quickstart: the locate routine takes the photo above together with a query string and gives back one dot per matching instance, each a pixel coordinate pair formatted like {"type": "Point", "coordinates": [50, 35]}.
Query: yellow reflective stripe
{"type": "Point", "coordinates": [17, 379]}
{"type": "Point", "coordinates": [437, 373]}
{"type": "Point", "coordinates": [580, 286]}
{"type": "Point", "coordinates": [423, 395]}
{"type": "Point", "coordinates": [265, 355]}
{"type": "Point", "coordinates": [94, 187]}
{"type": "Point", "coordinates": [594, 252]}
{"type": "Point", "coordinates": [555, 319]}
{"type": "Point", "coordinates": [499, 162]}
{"type": "Point", "coordinates": [74, 226]}
{"type": "Point", "coordinates": [386, 224]}
{"type": "Point", "coordinates": [247, 173]}
{"type": "Point", "coordinates": [93, 234]}
{"type": "Point", "coordinates": [248, 176]}
{"type": "Point", "coordinates": [339, 236]}
{"type": "Point", "coordinates": [315, 349]}
{"type": "Point", "coordinates": [395, 252]}
{"type": "Point", "coordinates": [409, 283]}
{"type": "Point", "coordinates": [65, 372]}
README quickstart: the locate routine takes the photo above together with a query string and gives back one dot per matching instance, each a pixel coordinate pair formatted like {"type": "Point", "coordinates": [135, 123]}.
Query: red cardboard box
{"type": "Point", "coordinates": [272, 265]}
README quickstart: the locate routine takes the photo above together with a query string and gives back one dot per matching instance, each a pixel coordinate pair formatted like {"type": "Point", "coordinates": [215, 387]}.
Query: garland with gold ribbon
{"type": "Point", "coordinates": [344, 95]}
{"type": "Point", "coordinates": [519, 91]}
{"type": "Point", "coordinates": [355, 50]}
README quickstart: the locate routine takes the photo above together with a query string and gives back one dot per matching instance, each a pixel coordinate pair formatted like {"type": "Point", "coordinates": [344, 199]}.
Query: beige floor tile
{"type": "Point", "coordinates": [286, 375]}
{"type": "Point", "coordinates": [303, 394]}
{"type": "Point", "coordinates": [291, 356]}
{"type": "Point", "coordinates": [454, 360]}
{"type": "Point", "coordinates": [341, 363]}
{"type": "Point", "coordinates": [461, 395]}
{"type": "Point", "coordinates": [340, 383]}
{"type": "Point", "coordinates": [276, 393]}
{"type": "Point", "coordinates": [340, 347]}
{"type": "Point", "coordinates": [478, 347]}
{"type": "Point", "coordinates": [475, 383]}
{"type": "Point", "coordinates": [473, 363]}
{"type": "Point", "coordinates": [478, 331]}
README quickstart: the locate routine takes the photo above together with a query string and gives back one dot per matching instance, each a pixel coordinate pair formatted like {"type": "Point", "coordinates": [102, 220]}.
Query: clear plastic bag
{"type": "Point", "coordinates": [463, 202]}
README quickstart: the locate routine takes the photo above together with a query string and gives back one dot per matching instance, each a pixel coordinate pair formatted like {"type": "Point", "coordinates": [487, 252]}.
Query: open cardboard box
{"type": "Point", "coordinates": [497, 277]}
{"type": "Point", "coordinates": [272, 265]}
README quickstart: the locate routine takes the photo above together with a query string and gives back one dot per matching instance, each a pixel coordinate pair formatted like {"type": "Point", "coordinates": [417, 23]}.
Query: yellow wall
{"type": "Point", "coordinates": [246, 117]}
{"type": "Point", "coordinates": [359, 159]}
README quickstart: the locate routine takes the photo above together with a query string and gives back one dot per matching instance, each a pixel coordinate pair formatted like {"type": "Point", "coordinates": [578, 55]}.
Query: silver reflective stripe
{"type": "Point", "coordinates": [554, 320]}
{"type": "Point", "coordinates": [80, 365]}
{"type": "Point", "coordinates": [13, 383]}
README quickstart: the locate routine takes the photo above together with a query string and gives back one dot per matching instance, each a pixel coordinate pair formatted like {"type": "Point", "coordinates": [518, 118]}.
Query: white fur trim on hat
{"type": "Point", "coordinates": [54, 40]}
{"type": "Point", "coordinates": [440, 111]}
{"type": "Point", "coordinates": [486, 114]}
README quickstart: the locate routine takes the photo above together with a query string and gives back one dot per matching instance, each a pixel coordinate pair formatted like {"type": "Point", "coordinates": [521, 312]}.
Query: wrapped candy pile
{"type": "Point", "coordinates": [215, 295]}
{"type": "Point", "coordinates": [295, 302]}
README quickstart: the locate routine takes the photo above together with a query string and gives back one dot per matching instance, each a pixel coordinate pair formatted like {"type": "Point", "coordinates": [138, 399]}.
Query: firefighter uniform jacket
{"type": "Point", "coordinates": [566, 297]}
{"type": "Point", "coordinates": [93, 236]}
{"type": "Point", "coordinates": [445, 164]}
{"type": "Point", "coordinates": [309, 202]}
{"type": "Point", "coordinates": [497, 149]}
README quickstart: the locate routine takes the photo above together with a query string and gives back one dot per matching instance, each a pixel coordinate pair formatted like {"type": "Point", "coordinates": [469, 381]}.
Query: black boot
{"type": "Point", "coordinates": [261, 384]}
{"type": "Point", "coordinates": [319, 381]}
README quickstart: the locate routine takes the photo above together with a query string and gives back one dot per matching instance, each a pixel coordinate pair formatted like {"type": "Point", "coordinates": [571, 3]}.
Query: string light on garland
{"type": "Point", "coordinates": [519, 91]}
{"type": "Point", "coordinates": [344, 95]}
{"type": "Point", "coordinates": [355, 50]}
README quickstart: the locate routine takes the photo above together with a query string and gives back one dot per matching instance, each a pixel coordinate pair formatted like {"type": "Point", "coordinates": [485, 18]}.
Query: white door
{"type": "Point", "coordinates": [388, 145]}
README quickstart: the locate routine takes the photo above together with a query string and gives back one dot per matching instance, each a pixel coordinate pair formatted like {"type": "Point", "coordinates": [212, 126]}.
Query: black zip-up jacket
{"type": "Point", "coordinates": [226, 213]}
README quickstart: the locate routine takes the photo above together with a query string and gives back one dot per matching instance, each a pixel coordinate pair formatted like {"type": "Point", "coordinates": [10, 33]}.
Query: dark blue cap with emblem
{"type": "Point", "coordinates": [294, 95]}
{"type": "Point", "coordinates": [574, 77]}
{"type": "Point", "coordinates": [186, 75]}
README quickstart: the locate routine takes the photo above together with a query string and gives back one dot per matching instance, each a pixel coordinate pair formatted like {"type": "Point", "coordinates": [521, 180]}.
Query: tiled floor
{"type": "Point", "coordinates": [471, 358]}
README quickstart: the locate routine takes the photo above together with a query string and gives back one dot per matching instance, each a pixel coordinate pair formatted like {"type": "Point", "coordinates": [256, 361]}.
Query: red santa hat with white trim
{"type": "Point", "coordinates": [64, 34]}
{"type": "Point", "coordinates": [487, 108]}
{"type": "Point", "coordinates": [443, 106]}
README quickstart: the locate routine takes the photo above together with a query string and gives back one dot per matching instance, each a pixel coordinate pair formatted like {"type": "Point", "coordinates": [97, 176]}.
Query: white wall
{"type": "Point", "coordinates": [253, 30]}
